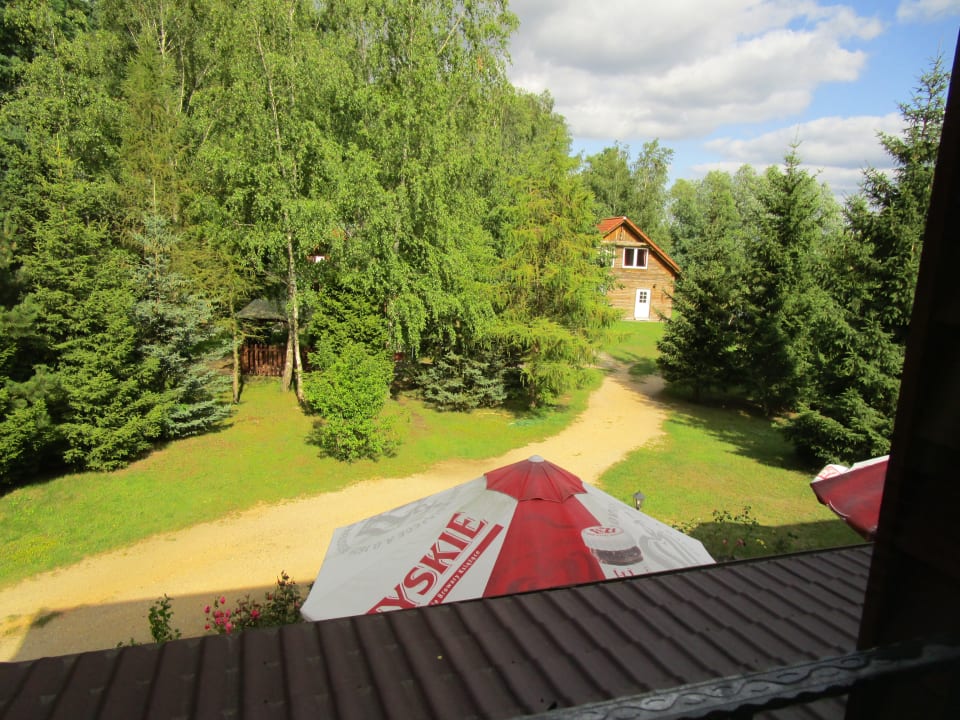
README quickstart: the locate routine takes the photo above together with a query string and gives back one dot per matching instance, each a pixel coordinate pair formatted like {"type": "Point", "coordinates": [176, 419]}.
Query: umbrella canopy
{"type": "Point", "coordinates": [854, 493]}
{"type": "Point", "coordinates": [527, 526]}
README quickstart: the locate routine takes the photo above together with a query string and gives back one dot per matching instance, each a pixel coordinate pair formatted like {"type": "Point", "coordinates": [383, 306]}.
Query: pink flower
{"type": "Point", "coordinates": [206, 610]}
{"type": "Point", "coordinates": [207, 626]}
{"type": "Point", "coordinates": [228, 613]}
{"type": "Point", "coordinates": [228, 627]}
{"type": "Point", "coordinates": [254, 614]}
{"type": "Point", "coordinates": [223, 599]}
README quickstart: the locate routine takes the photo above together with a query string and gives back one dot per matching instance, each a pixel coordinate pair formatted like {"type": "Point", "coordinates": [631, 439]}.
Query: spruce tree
{"type": "Point", "coordinates": [794, 221]}
{"type": "Point", "coordinates": [698, 349]}
{"type": "Point", "coordinates": [860, 343]}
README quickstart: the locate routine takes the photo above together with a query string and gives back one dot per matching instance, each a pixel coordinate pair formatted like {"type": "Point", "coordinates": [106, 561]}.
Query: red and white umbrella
{"type": "Point", "coordinates": [527, 526]}
{"type": "Point", "coordinates": [854, 493]}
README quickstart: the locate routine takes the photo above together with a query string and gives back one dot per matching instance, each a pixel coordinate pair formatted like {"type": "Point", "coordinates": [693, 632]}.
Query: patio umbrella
{"type": "Point", "coordinates": [527, 526]}
{"type": "Point", "coordinates": [854, 493]}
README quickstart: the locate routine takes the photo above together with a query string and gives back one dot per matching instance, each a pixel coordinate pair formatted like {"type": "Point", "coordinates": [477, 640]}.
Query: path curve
{"type": "Point", "coordinates": [104, 599]}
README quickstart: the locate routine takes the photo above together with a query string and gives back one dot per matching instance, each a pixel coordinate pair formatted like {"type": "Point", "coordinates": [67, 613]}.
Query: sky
{"type": "Point", "coordinates": [728, 82]}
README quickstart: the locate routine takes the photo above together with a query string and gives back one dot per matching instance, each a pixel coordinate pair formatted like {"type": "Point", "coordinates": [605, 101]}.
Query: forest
{"type": "Point", "coordinates": [164, 162]}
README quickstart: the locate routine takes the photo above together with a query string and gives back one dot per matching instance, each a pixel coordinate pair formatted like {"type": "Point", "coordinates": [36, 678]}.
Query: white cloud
{"type": "Point", "coordinates": [836, 148]}
{"type": "Point", "coordinates": [926, 10]}
{"type": "Point", "coordinates": [682, 69]}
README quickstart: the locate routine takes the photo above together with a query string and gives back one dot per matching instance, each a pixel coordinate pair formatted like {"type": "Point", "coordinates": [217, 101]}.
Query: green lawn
{"type": "Point", "coordinates": [720, 459]}
{"type": "Point", "coordinates": [261, 456]}
{"type": "Point", "coordinates": [711, 459]}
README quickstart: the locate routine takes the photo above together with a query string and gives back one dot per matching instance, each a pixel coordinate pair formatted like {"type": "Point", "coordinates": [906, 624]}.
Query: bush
{"type": "Point", "coordinates": [280, 607]}
{"type": "Point", "coordinates": [458, 382]}
{"type": "Point", "coordinates": [160, 617]}
{"type": "Point", "coordinates": [349, 392]}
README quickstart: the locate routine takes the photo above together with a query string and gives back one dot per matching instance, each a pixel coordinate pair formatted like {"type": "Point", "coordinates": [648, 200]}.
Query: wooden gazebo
{"type": "Point", "coordinates": [262, 358]}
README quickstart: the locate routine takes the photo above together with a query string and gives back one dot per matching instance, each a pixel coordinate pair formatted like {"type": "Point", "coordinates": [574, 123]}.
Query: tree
{"type": "Point", "coordinates": [795, 220]}
{"type": "Point", "coordinates": [551, 306]}
{"type": "Point", "coordinates": [637, 190]}
{"type": "Point", "coordinates": [59, 141]}
{"type": "Point", "coordinates": [26, 27]}
{"type": "Point", "coordinates": [860, 343]}
{"type": "Point", "coordinates": [177, 338]}
{"type": "Point", "coordinates": [411, 238]}
{"type": "Point", "coordinates": [699, 346]}
{"type": "Point", "coordinates": [607, 174]}
{"type": "Point", "coordinates": [649, 172]}
{"type": "Point", "coordinates": [349, 391]}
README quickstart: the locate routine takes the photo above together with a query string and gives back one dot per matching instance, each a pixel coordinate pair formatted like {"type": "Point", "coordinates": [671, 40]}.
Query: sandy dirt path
{"type": "Point", "coordinates": [104, 599]}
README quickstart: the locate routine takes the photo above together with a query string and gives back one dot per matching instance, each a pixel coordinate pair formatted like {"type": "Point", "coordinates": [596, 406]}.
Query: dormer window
{"type": "Point", "coordinates": [635, 258]}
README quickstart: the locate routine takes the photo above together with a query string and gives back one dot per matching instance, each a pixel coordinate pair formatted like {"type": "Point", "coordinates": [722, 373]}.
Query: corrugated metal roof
{"type": "Point", "coordinates": [491, 658]}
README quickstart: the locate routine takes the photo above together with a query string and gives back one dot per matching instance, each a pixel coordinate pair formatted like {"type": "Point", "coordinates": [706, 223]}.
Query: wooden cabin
{"type": "Point", "coordinates": [645, 274]}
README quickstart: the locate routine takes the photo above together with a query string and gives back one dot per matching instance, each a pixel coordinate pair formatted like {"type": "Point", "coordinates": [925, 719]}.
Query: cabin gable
{"type": "Point", "coordinates": [644, 274]}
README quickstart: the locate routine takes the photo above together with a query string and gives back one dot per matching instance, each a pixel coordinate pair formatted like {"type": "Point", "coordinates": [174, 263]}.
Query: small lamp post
{"type": "Point", "coordinates": [638, 498]}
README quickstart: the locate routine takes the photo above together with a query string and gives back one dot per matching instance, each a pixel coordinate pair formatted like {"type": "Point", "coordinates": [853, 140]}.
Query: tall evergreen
{"type": "Point", "coordinates": [699, 346]}
{"type": "Point", "coordinates": [795, 221]}
{"type": "Point", "coordinates": [849, 413]}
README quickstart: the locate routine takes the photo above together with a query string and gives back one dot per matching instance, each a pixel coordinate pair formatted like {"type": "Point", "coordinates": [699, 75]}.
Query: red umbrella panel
{"type": "Point", "coordinates": [527, 526]}
{"type": "Point", "coordinates": [854, 493]}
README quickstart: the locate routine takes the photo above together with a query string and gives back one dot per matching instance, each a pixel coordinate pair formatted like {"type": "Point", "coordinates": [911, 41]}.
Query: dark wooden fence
{"type": "Point", "coordinates": [262, 359]}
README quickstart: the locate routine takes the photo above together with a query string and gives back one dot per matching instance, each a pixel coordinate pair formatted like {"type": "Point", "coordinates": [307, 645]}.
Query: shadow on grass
{"type": "Point", "coordinates": [740, 536]}
{"type": "Point", "coordinates": [737, 423]}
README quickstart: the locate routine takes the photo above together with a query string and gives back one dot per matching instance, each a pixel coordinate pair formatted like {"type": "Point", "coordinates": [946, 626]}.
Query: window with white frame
{"type": "Point", "coordinates": [635, 258]}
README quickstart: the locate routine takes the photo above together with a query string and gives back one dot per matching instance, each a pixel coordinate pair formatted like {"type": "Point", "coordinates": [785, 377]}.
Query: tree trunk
{"type": "Point", "coordinates": [288, 359]}
{"type": "Point", "coordinates": [294, 318]}
{"type": "Point", "coordinates": [236, 354]}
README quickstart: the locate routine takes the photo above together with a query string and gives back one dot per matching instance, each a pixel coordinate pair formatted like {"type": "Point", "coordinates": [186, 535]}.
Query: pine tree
{"type": "Point", "coordinates": [871, 279]}
{"type": "Point", "coordinates": [698, 349]}
{"type": "Point", "coordinates": [177, 338]}
{"type": "Point", "coordinates": [795, 219]}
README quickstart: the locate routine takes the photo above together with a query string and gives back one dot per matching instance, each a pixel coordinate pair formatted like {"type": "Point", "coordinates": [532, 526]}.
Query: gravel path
{"type": "Point", "coordinates": [104, 599]}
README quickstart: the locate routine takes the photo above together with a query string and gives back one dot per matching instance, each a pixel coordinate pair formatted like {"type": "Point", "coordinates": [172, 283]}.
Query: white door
{"type": "Point", "coordinates": [641, 308]}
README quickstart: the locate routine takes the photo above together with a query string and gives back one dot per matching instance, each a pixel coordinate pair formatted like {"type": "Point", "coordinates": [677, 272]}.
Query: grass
{"type": "Point", "coordinates": [260, 456]}
{"type": "Point", "coordinates": [710, 459]}
{"type": "Point", "coordinates": [711, 463]}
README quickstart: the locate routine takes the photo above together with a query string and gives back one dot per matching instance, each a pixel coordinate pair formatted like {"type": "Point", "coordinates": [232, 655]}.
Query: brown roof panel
{"type": "Point", "coordinates": [492, 658]}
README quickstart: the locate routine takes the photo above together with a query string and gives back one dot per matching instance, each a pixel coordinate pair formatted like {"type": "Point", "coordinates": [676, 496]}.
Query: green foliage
{"type": "Point", "coordinates": [637, 190]}
{"type": "Point", "coordinates": [279, 607]}
{"type": "Point", "coordinates": [458, 381]}
{"type": "Point", "coordinates": [349, 391]}
{"type": "Point", "coordinates": [551, 308]}
{"type": "Point", "coordinates": [160, 618]}
{"type": "Point", "coordinates": [858, 350]}
{"type": "Point", "coordinates": [700, 344]}
{"type": "Point", "coordinates": [796, 221]}
{"type": "Point", "coordinates": [177, 337]}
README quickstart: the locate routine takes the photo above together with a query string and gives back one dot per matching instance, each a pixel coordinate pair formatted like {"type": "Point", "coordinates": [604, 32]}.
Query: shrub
{"type": "Point", "coordinates": [159, 617]}
{"type": "Point", "coordinates": [458, 382]}
{"type": "Point", "coordinates": [279, 607]}
{"type": "Point", "coordinates": [349, 392]}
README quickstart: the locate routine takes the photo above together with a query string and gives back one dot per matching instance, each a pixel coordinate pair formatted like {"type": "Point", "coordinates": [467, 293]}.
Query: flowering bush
{"type": "Point", "coordinates": [279, 607]}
